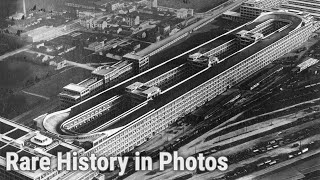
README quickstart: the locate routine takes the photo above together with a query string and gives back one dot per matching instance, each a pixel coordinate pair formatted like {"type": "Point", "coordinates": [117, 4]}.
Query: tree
{"type": "Point", "coordinates": [37, 79]}
{"type": "Point", "coordinates": [18, 32]}
{"type": "Point", "coordinates": [77, 143]}
{"type": "Point", "coordinates": [87, 145]}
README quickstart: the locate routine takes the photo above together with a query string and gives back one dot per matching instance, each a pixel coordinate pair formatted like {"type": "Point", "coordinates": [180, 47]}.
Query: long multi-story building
{"type": "Point", "coordinates": [102, 78]}
{"type": "Point", "coordinates": [135, 110]}
{"type": "Point", "coordinates": [43, 33]}
{"type": "Point", "coordinates": [253, 8]}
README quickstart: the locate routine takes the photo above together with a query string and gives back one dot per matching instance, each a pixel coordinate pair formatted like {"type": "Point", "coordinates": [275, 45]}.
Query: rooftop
{"type": "Point", "coordinates": [132, 56]}
{"type": "Point", "coordinates": [22, 136]}
{"type": "Point", "coordinates": [195, 80]}
{"type": "Point", "coordinates": [75, 88]}
{"type": "Point", "coordinates": [254, 1]}
{"type": "Point", "coordinates": [308, 62]}
{"type": "Point", "coordinates": [231, 13]}
{"type": "Point", "coordinates": [40, 30]}
{"type": "Point", "coordinates": [167, 40]}
{"type": "Point", "coordinates": [87, 82]}
{"type": "Point", "coordinates": [104, 70]}
{"type": "Point", "coordinates": [204, 76]}
{"type": "Point", "coordinates": [134, 86]}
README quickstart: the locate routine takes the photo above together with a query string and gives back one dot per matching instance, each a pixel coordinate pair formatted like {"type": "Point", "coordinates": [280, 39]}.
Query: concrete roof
{"type": "Point", "coordinates": [231, 13]}
{"type": "Point", "coordinates": [103, 71]}
{"type": "Point", "coordinates": [75, 87]}
{"type": "Point", "coordinates": [185, 87]}
{"type": "Point", "coordinates": [132, 56]}
{"type": "Point", "coordinates": [202, 77]}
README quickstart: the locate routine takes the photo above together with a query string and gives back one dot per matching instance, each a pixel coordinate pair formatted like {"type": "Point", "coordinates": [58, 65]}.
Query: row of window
{"type": "Point", "coordinates": [96, 110]}
{"type": "Point", "coordinates": [220, 49]}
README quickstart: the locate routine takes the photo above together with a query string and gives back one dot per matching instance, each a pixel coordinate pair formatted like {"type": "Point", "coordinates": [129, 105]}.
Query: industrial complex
{"type": "Point", "coordinates": [124, 116]}
{"type": "Point", "coordinates": [155, 100]}
{"type": "Point", "coordinates": [123, 105]}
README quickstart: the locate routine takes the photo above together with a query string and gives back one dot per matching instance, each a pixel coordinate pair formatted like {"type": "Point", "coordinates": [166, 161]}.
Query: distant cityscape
{"type": "Point", "coordinates": [112, 78]}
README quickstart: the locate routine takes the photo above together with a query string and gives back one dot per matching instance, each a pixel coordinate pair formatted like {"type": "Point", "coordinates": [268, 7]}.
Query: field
{"type": "Point", "coordinates": [52, 86]}
{"type": "Point", "coordinates": [197, 5]}
{"type": "Point", "coordinates": [9, 43]}
{"type": "Point", "coordinates": [26, 85]}
{"type": "Point", "coordinates": [18, 72]}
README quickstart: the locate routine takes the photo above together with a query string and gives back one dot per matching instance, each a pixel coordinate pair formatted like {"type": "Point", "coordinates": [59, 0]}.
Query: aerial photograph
{"type": "Point", "coordinates": [159, 89]}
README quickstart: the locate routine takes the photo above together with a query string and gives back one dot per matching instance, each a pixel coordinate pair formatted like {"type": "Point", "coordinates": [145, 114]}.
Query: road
{"type": "Point", "coordinates": [84, 66]}
{"type": "Point", "coordinates": [27, 117]}
{"type": "Point", "coordinates": [217, 12]}
{"type": "Point", "coordinates": [221, 6]}
{"type": "Point", "coordinates": [17, 51]}
{"type": "Point", "coordinates": [37, 95]}
{"type": "Point", "coordinates": [39, 53]}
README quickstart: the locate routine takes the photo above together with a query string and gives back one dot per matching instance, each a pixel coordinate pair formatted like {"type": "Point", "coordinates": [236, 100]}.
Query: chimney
{"type": "Point", "coordinates": [24, 8]}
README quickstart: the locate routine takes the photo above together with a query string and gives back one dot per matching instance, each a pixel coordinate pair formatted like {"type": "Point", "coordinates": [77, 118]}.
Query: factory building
{"type": "Point", "coordinates": [103, 77]}
{"type": "Point", "coordinates": [43, 33]}
{"type": "Point", "coordinates": [159, 97]}
{"type": "Point", "coordinates": [253, 8]}
{"type": "Point", "coordinates": [205, 84]}
{"type": "Point", "coordinates": [198, 84]}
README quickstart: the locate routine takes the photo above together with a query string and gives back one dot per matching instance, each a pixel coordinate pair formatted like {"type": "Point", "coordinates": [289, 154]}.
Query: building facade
{"type": "Point", "coordinates": [102, 78]}
{"type": "Point", "coordinates": [253, 8]}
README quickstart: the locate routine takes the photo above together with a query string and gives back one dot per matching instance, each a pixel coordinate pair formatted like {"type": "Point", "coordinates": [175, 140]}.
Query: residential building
{"type": "Point", "coordinates": [164, 29]}
{"type": "Point", "coordinates": [132, 19]}
{"type": "Point", "coordinates": [182, 13]}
